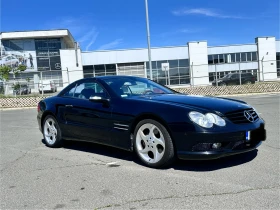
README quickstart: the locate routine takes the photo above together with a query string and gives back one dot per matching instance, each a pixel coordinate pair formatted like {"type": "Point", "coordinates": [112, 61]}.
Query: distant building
{"type": "Point", "coordinates": [54, 54]}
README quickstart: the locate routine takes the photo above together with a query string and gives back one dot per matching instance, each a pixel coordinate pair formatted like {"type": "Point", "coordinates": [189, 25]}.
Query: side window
{"type": "Point", "coordinates": [71, 92]}
{"type": "Point", "coordinates": [234, 76]}
{"type": "Point", "coordinates": [86, 90]}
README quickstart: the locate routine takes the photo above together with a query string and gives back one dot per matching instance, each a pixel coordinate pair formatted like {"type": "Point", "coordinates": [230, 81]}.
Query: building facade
{"type": "Point", "coordinates": [55, 55]}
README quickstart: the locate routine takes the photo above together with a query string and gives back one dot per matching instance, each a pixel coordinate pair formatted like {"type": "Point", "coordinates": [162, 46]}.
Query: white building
{"type": "Point", "coordinates": [55, 54]}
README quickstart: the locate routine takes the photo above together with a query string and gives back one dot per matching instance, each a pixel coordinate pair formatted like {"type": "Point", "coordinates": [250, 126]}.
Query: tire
{"type": "Point", "coordinates": [248, 83]}
{"type": "Point", "coordinates": [51, 132]}
{"type": "Point", "coordinates": [156, 150]}
{"type": "Point", "coordinates": [223, 84]}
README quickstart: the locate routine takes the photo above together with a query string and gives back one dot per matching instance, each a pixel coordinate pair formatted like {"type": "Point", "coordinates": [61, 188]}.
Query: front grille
{"type": "Point", "coordinates": [238, 117]}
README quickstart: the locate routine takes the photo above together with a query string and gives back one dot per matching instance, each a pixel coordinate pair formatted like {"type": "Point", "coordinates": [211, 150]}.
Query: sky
{"type": "Point", "coordinates": [121, 24]}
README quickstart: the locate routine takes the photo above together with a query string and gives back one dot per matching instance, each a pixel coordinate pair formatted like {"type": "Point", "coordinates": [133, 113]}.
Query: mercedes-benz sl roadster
{"type": "Point", "coordinates": [155, 122]}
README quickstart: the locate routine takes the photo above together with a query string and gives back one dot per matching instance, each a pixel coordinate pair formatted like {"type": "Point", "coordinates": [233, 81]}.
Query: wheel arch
{"type": "Point", "coordinates": [46, 113]}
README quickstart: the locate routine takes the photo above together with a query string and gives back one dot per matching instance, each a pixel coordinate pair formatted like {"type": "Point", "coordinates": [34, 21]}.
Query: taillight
{"type": "Point", "coordinates": [38, 108]}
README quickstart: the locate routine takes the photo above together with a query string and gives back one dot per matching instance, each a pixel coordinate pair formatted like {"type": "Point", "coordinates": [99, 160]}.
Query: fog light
{"type": "Point", "coordinates": [216, 145]}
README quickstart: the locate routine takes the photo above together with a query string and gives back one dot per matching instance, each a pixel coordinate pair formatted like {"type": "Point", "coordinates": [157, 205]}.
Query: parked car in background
{"type": "Point", "coordinates": [23, 90]}
{"type": "Point", "coordinates": [155, 122]}
{"type": "Point", "coordinates": [9, 60]}
{"type": "Point", "coordinates": [47, 86]}
{"type": "Point", "coordinates": [233, 79]}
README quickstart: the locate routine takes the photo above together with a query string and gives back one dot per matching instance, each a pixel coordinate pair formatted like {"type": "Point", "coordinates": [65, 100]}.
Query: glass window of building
{"type": "Point", "coordinates": [249, 56]}
{"type": "Point", "coordinates": [216, 59]}
{"type": "Point", "coordinates": [227, 58]}
{"type": "Point", "coordinates": [232, 58]}
{"type": "Point", "coordinates": [159, 64]}
{"type": "Point", "coordinates": [184, 75]}
{"type": "Point", "coordinates": [278, 63]}
{"type": "Point", "coordinates": [110, 69]}
{"type": "Point", "coordinates": [173, 64]}
{"type": "Point", "coordinates": [132, 69]}
{"type": "Point", "coordinates": [174, 80]}
{"type": "Point", "coordinates": [278, 56]}
{"type": "Point", "coordinates": [47, 53]}
{"type": "Point", "coordinates": [178, 72]}
{"type": "Point", "coordinates": [154, 64]}
{"type": "Point", "coordinates": [183, 63]}
{"type": "Point", "coordinates": [184, 72]}
{"type": "Point", "coordinates": [99, 70]}
{"type": "Point", "coordinates": [211, 76]}
{"type": "Point", "coordinates": [243, 57]}
{"type": "Point", "coordinates": [221, 58]}
{"type": "Point", "coordinates": [88, 71]}
{"type": "Point", "coordinates": [237, 57]}
{"type": "Point", "coordinates": [173, 70]}
{"type": "Point", "coordinates": [254, 56]}
{"type": "Point", "coordinates": [210, 59]}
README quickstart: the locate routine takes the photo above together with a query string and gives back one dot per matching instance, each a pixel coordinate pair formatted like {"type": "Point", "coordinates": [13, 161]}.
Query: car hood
{"type": "Point", "coordinates": [222, 105]}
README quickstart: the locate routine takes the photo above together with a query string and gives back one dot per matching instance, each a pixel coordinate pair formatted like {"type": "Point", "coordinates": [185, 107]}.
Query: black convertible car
{"type": "Point", "coordinates": [159, 124]}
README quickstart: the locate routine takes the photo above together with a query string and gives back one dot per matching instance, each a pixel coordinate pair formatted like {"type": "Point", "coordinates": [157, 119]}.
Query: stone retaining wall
{"type": "Point", "coordinates": [201, 90]}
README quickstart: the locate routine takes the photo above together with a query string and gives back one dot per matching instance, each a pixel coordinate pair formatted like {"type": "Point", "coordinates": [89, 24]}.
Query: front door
{"type": "Point", "coordinates": [87, 120]}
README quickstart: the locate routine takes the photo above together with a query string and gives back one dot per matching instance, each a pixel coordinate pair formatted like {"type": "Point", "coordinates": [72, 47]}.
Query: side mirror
{"type": "Point", "coordinates": [99, 99]}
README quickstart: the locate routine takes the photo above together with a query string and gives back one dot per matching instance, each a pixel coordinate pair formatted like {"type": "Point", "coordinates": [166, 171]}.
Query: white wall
{"type": "Point", "coordinates": [278, 46]}
{"type": "Point", "coordinates": [134, 55]}
{"type": "Point", "coordinates": [34, 34]}
{"type": "Point", "coordinates": [267, 62]}
{"type": "Point", "coordinates": [198, 62]}
{"type": "Point", "coordinates": [68, 60]}
{"type": "Point", "coordinates": [232, 49]}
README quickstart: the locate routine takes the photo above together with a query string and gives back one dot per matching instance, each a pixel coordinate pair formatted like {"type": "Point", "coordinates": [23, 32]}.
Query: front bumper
{"type": "Point", "coordinates": [200, 145]}
{"type": "Point", "coordinates": [209, 155]}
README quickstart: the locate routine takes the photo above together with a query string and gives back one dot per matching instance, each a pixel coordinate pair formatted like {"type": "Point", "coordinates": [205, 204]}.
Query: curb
{"type": "Point", "coordinates": [17, 108]}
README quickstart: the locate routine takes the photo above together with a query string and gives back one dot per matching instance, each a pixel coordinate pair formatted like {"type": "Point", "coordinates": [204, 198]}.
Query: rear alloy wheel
{"type": "Point", "coordinates": [51, 132]}
{"type": "Point", "coordinates": [153, 144]}
{"type": "Point", "coordinates": [223, 84]}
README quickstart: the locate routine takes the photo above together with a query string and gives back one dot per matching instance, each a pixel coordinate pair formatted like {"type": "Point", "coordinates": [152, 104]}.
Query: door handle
{"type": "Point", "coordinates": [69, 106]}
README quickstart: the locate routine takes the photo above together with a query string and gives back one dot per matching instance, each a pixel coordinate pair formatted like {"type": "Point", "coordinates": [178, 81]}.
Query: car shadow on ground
{"type": "Point", "coordinates": [183, 165]}
{"type": "Point", "coordinates": [216, 164]}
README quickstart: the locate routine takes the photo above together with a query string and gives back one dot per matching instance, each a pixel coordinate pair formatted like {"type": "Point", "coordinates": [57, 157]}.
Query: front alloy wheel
{"type": "Point", "coordinates": [153, 144]}
{"type": "Point", "coordinates": [51, 132]}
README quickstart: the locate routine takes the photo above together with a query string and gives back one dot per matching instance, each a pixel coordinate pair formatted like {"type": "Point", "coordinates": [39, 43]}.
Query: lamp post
{"type": "Point", "coordinates": [148, 39]}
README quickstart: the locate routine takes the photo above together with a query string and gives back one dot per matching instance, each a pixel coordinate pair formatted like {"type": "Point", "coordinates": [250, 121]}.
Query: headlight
{"type": "Point", "coordinates": [207, 120]}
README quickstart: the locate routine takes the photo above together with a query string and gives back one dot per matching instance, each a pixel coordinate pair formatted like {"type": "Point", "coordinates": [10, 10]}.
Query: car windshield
{"type": "Point", "coordinates": [132, 86]}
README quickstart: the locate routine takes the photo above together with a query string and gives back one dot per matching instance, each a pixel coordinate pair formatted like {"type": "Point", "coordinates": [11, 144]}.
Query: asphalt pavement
{"type": "Point", "coordinates": [90, 176]}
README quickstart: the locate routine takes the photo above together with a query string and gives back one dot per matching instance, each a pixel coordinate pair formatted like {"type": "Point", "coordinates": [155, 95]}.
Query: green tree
{"type": "Point", "coordinates": [6, 70]}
